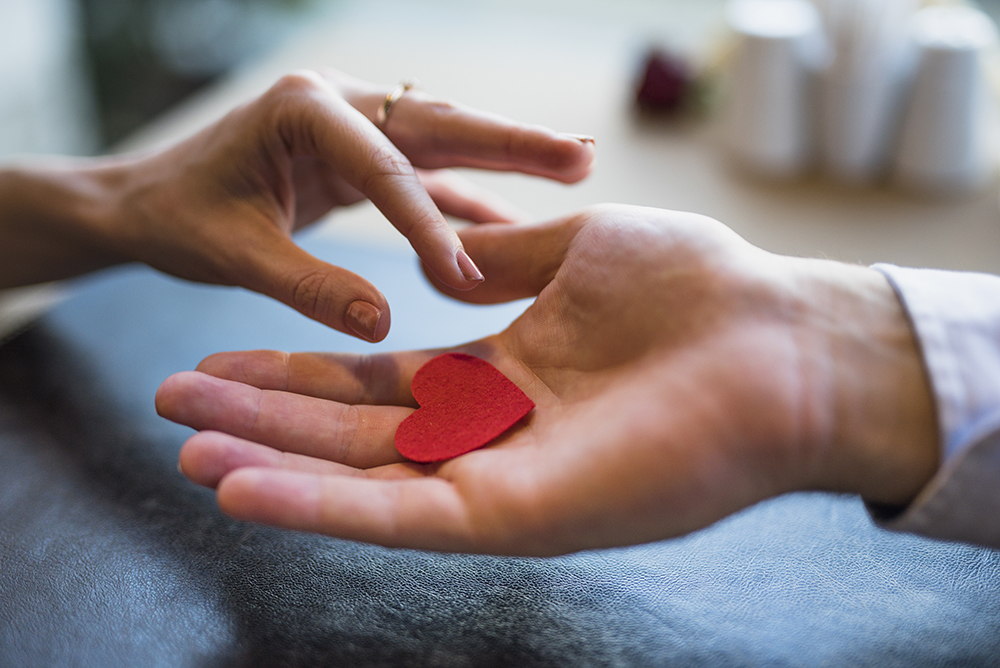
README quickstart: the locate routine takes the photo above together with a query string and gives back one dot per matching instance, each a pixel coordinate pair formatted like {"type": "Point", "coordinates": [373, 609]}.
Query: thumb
{"type": "Point", "coordinates": [518, 261]}
{"type": "Point", "coordinates": [331, 295]}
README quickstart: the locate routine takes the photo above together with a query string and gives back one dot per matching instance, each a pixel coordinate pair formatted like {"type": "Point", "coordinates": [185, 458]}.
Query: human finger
{"type": "Point", "coordinates": [382, 379]}
{"type": "Point", "coordinates": [520, 259]}
{"type": "Point", "coordinates": [434, 132]}
{"type": "Point", "coordinates": [325, 125]}
{"type": "Point", "coordinates": [421, 513]}
{"type": "Point", "coordinates": [439, 133]}
{"type": "Point", "coordinates": [378, 380]}
{"type": "Point", "coordinates": [460, 197]}
{"type": "Point", "coordinates": [359, 436]}
{"type": "Point", "coordinates": [334, 296]}
{"type": "Point", "coordinates": [209, 455]}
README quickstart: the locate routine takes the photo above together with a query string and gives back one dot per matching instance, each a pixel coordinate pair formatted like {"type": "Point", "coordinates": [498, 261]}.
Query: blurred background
{"type": "Point", "coordinates": [78, 76]}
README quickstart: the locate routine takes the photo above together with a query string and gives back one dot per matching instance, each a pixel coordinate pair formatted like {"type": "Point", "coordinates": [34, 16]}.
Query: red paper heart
{"type": "Point", "coordinates": [465, 403]}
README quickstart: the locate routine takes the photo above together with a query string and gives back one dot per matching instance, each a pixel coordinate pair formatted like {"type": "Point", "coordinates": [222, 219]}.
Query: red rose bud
{"type": "Point", "coordinates": [666, 83]}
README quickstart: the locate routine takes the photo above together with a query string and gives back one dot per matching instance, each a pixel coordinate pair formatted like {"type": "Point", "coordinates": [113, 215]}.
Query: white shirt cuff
{"type": "Point", "coordinates": [956, 319]}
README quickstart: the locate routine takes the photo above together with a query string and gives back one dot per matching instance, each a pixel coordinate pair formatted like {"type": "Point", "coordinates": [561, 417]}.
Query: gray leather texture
{"type": "Point", "coordinates": [109, 557]}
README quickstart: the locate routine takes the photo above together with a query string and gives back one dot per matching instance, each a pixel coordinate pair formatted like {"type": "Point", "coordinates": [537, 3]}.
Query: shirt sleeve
{"type": "Point", "coordinates": [956, 319]}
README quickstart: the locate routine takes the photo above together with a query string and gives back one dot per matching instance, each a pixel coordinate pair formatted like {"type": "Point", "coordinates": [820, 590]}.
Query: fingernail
{"type": "Point", "coordinates": [362, 318]}
{"type": "Point", "coordinates": [586, 139]}
{"type": "Point", "coordinates": [468, 267]}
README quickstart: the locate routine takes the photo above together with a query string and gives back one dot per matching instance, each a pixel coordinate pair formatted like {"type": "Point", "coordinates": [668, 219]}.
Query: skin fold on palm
{"type": "Point", "coordinates": [680, 374]}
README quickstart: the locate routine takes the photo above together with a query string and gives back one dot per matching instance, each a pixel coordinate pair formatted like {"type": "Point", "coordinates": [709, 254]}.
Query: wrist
{"type": "Point", "coordinates": [880, 438]}
{"type": "Point", "coordinates": [57, 220]}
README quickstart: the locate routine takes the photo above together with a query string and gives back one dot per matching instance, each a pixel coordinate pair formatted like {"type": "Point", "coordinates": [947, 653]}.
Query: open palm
{"type": "Point", "coordinates": [679, 373]}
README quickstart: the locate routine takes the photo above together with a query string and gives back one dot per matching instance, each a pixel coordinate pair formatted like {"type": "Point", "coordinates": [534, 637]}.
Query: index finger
{"type": "Point", "coordinates": [378, 380]}
{"type": "Point", "coordinates": [313, 120]}
{"type": "Point", "coordinates": [360, 436]}
{"type": "Point", "coordinates": [382, 379]}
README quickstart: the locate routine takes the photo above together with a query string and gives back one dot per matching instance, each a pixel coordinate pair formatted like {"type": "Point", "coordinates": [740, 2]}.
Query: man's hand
{"type": "Point", "coordinates": [220, 206]}
{"type": "Point", "coordinates": [680, 374]}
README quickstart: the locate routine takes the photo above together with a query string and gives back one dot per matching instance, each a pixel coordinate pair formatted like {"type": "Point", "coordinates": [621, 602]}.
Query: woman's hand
{"type": "Point", "coordinates": [220, 206]}
{"type": "Point", "coordinates": [680, 374]}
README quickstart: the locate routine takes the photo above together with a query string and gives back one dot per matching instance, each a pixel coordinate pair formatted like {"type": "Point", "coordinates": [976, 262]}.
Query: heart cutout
{"type": "Point", "coordinates": [465, 403]}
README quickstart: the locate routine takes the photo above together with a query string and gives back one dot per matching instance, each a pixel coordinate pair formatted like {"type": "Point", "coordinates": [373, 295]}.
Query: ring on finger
{"type": "Point", "coordinates": [382, 113]}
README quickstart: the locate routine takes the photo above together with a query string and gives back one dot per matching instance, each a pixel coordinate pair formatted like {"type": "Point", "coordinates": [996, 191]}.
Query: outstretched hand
{"type": "Point", "coordinates": [220, 206]}
{"type": "Point", "coordinates": [680, 374]}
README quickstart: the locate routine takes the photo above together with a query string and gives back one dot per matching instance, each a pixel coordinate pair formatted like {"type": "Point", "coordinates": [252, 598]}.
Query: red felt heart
{"type": "Point", "coordinates": [465, 403]}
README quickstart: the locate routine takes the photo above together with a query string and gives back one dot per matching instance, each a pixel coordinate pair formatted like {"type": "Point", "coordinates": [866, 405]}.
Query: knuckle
{"type": "Point", "coordinates": [309, 295]}
{"type": "Point", "coordinates": [508, 147]}
{"type": "Point", "coordinates": [286, 367]}
{"type": "Point", "coordinates": [290, 104]}
{"type": "Point", "coordinates": [364, 375]}
{"type": "Point", "coordinates": [386, 164]}
{"type": "Point", "coordinates": [294, 94]}
{"type": "Point", "coordinates": [298, 82]}
{"type": "Point", "coordinates": [440, 110]}
{"type": "Point", "coordinates": [441, 105]}
{"type": "Point", "coordinates": [350, 421]}
{"type": "Point", "coordinates": [424, 232]}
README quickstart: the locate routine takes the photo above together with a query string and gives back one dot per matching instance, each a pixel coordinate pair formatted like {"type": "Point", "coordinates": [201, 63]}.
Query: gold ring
{"type": "Point", "coordinates": [382, 113]}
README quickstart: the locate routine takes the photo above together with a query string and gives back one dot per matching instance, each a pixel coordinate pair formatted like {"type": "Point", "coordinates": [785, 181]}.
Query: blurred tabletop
{"type": "Point", "coordinates": [109, 557]}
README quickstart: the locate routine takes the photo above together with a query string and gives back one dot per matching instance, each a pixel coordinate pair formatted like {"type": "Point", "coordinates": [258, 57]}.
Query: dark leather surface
{"type": "Point", "coordinates": [109, 557]}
